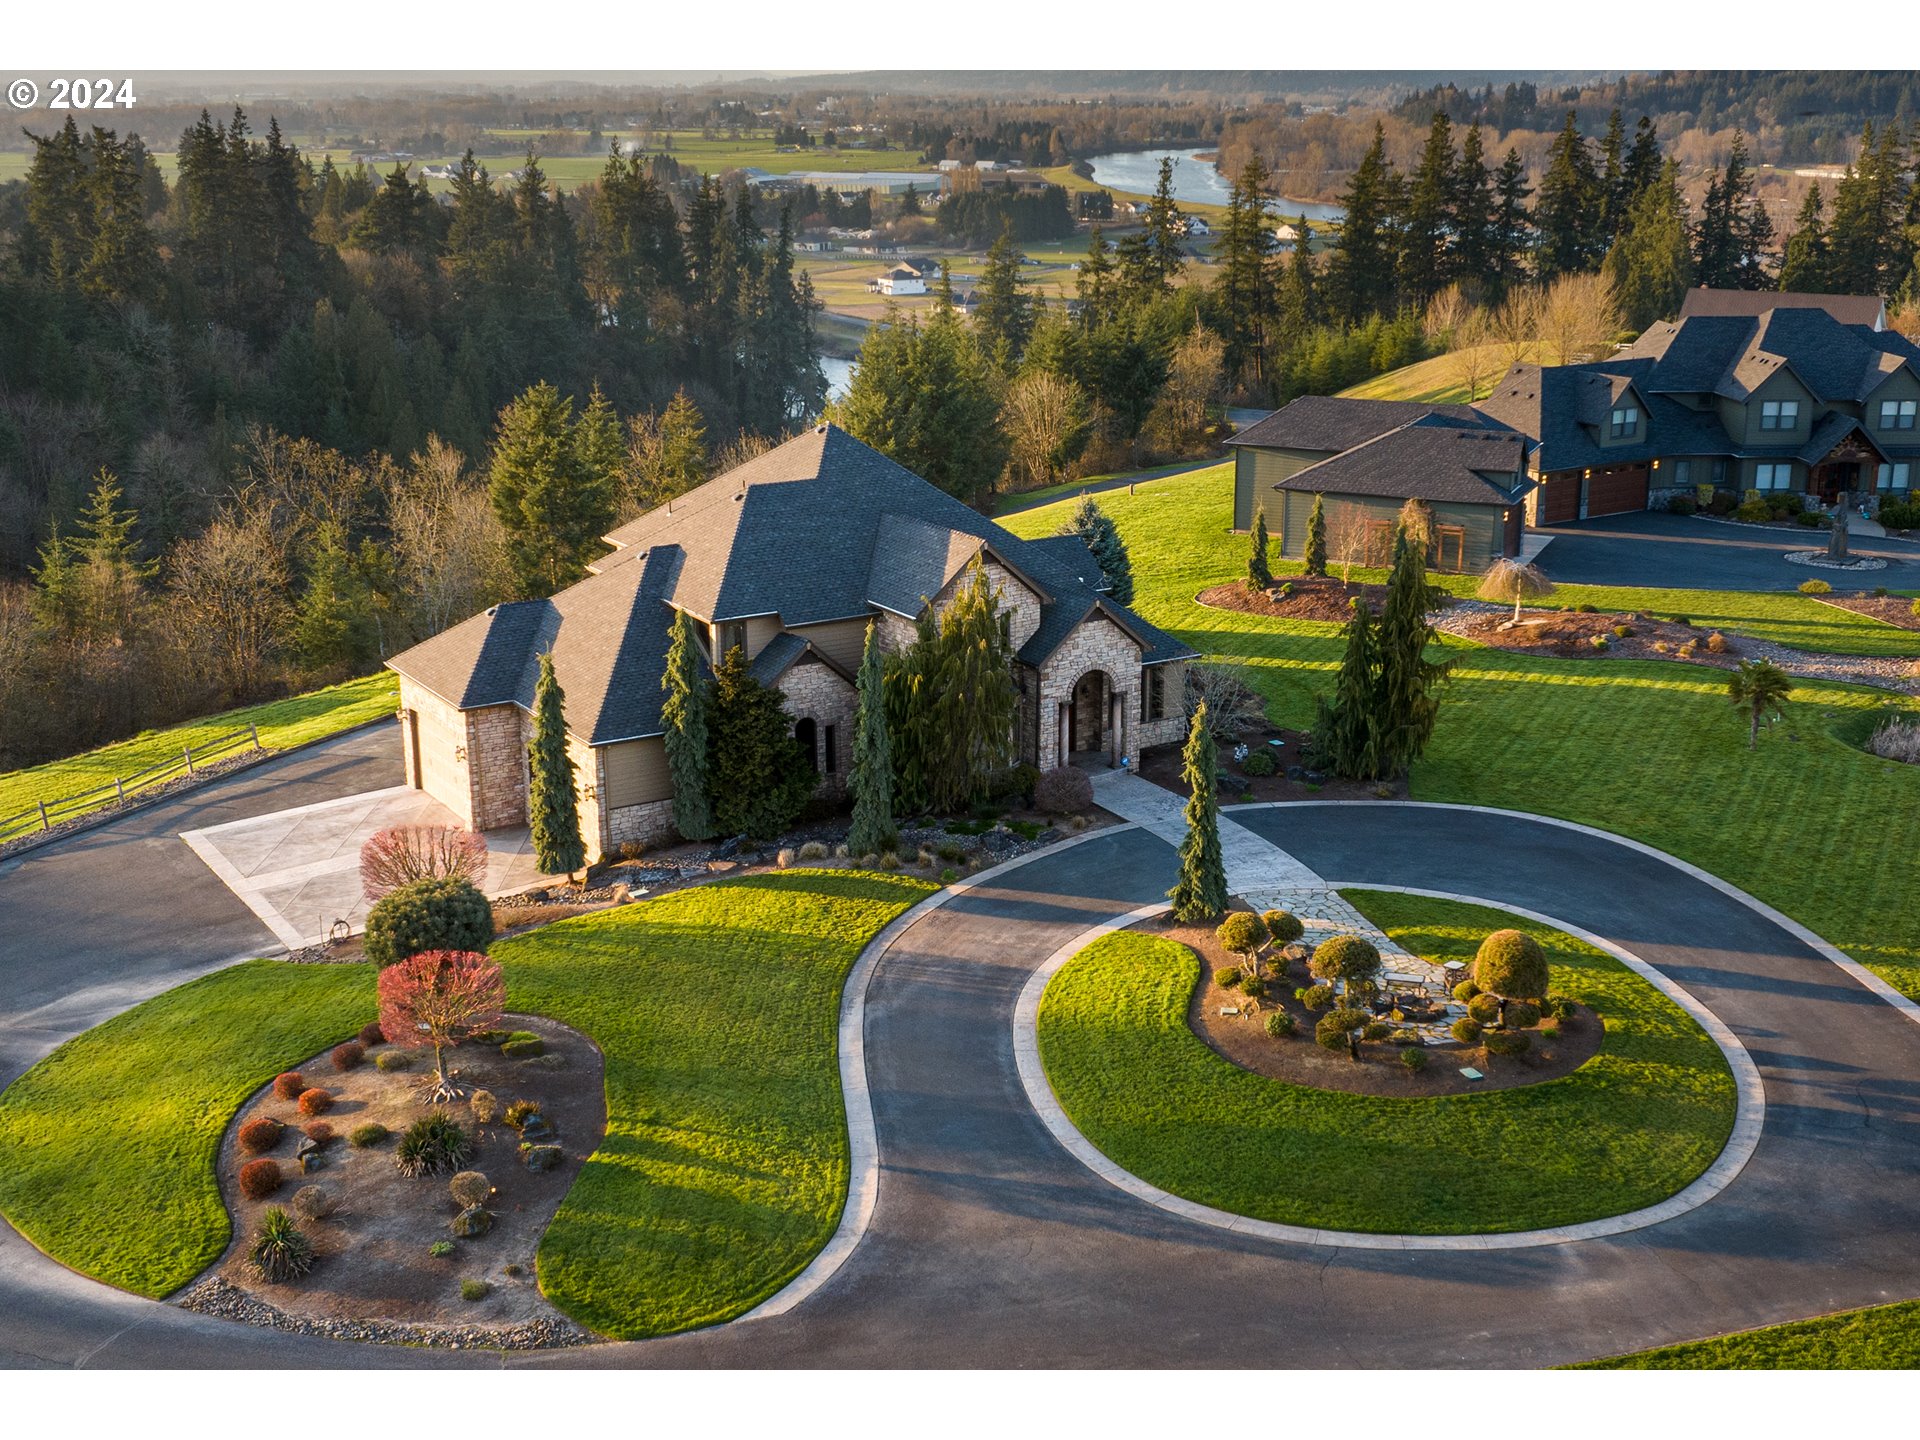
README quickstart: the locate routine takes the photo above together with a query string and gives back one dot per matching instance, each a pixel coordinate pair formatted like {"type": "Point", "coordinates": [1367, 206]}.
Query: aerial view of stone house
{"type": "Point", "coordinates": [789, 556]}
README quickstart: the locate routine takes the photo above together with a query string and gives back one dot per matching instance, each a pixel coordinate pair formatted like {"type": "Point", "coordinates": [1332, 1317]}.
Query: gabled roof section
{"type": "Point", "coordinates": [1865, 310]}
{"type": "Point", "coordinates": [1732, 356]}
{"type": "Point", "coordinates": [1334, 423]}
{"type": "Point", "coordinates": [1424, 462]}
{"type": "Point", "coordinates": [1546, 405]}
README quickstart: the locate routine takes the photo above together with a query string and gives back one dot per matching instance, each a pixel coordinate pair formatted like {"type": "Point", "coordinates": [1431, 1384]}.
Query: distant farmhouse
{"type": "Point", "coordinates": [1745, 391]}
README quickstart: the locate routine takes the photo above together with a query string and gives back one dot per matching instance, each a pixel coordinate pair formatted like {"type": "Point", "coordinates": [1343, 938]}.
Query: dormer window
{"type": "Point", "coordinates": [1626, 419]}
{"type": "Point", "coordinates": [1779, 414]}
{"type": "Point", "coordinates": [1898, 414]}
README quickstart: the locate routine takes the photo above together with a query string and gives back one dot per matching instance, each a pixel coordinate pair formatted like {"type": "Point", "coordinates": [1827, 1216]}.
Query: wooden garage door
{"type": "Point", "coordinates": [1560, 500]}
{"type": "Point", "coordinates": [1616, 492]}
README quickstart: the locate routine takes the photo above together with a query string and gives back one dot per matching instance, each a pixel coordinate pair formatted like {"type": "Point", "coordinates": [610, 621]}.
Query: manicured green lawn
{"type": "Point", "coordinates": [1881, 1337]}
{"type": "Point", "coordinates": [1437, 381]}
{"type": "Point", "coordinates": [1648, 749]}
{"type": "Point", "coordinates": [1632, 1126]}
{"type": "Point", "coordinates": [293, 721]}
{"type": "Point", "coordinates": [107, 1146]}
{"type": "Point", "coordinates": [724, 1167]}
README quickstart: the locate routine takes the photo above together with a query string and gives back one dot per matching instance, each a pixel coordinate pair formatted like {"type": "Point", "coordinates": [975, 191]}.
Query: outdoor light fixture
{"type": "Point", "coordinates": [590, 793]}
{"type": "Point", "coordinates": [459, 754]}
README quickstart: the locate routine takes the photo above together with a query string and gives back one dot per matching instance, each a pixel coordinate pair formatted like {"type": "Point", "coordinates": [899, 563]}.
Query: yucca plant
{"type": "Point", "coordinates": [280, 1252]}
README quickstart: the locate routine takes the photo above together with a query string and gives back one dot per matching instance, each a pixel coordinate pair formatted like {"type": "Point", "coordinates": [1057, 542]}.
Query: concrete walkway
{"type": "Point", "coordinates": [1252, 864]}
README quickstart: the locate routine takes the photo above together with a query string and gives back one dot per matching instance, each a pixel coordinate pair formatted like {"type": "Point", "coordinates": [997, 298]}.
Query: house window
{"type": "Point", "coordinates": [808, 735]}
{"type": "Point", "coordinates": [1772, 477]}
{"type": "Point", "coordinates": [1682, 472]}
{"type": "Point", "coordinates": [1895, 476]}
{"type": "Point", "coordinates": [1153, 693]}
{"type": "Point", "coordinates": [1626, 420]}
{"type": "Point", "coordinates": [1898, 414]}
{"type": "Point", "coordinates": [732, 633]}
{"type": "Point", "coordinates": [1779, 414]}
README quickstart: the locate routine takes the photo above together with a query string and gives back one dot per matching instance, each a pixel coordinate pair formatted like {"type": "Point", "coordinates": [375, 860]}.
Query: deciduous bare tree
{"type": "Point", "coordinates": [228, 591]}
{"type": "Point", "coordinates": [1045, 417]}
{"type": "Point", "coordinates": [446, 539]}
{"type": "Point", "coordinates": [1579, 319]}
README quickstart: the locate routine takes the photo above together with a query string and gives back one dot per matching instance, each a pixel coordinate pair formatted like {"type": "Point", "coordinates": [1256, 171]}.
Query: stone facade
{"type": "Point", "coordinates": [815, 691]}
{"type": "Point", "coordinates": [1101, 645]}
{"type": "Point", "coordinates": [648, 824]}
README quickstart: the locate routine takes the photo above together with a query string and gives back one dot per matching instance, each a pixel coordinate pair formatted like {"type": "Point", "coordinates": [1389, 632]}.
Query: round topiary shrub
{"type": "Point", "coordinates": [312, 1202]}
{"type": "Point", "coordinates": [1815, 587]}
{"type": "Point", "coordinates": [371, 1133]}
{"type": "Point", "coordinates": [1315, 997]}
{"type": "Point", "coordinates": [315, 1102]}
{"type": "Point", "coordinates": [1336, 1026]}
{"type": "Point", "coordinates": [470, 1187]}
{"type": "Point", "coordinates": [260, 1135]}
{"type": "Point", "coordinates": [1414, 1058]}
{"type": "Point", "coordinates": [1511, 963]}
{"type": "Point", "coordinates": [1253, 986]}
{"type": "Point", "coordinates": [1346, 957]}
{"type": "Point", "coordinates": [1513, 1043]}
{"type": "Point", "coordinates": [1283, 927]}
{"type": "Point", "coordinates": [522, 1045]}
{"type": "Point", "coordinates": [1280, 1024]}
{"type": "Point", "coordinates": [1522, 1014]}
{"type": "Point", "coordinates": [1258, 764]}
{"type": "Point", "coordinates": [486, 1109]}
{"type": "Point", "coordinates": [394, 1060]}
{"type": "Point", "coordinates": [372, 1034]}
{"type": "Point", "coordinates": [1227, 977]}
{"type": "Point", "coordinates": [259, 1178]}
{"type": "Point", "coordinates": [318, 1131]}
{"type": "Point", "coordinates": [1484, 1008]}
{"type": "Point", "coordinates": [288, 1085]}
{"type": "Point", "coordinates": [347, 1055]}
{"type": "Point", "coordinates": [279, 1252]}
{"type": "Point", "coordinates": [1466, 1030]}
{"type": "Point", "coordinates": [1242, 932]}
{"type": "Point", "coordinates": [1063, 790]}
{"type": "Point", "coordinates": [437, 914]}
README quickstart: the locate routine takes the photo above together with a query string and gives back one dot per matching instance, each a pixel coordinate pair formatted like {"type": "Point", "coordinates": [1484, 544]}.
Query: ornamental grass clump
{"type": "Point", "coordinates": [279, 1252]}
{"type": "Point", "coordinates": [432, 1145]}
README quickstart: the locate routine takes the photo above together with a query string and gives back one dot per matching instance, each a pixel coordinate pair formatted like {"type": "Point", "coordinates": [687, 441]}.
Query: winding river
{"type": "Point", "coordinates": [1195, 181]}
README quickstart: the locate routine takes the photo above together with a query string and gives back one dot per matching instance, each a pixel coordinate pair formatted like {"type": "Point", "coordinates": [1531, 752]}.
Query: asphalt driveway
{"type": "Point", "coordinates": [1650, 547]}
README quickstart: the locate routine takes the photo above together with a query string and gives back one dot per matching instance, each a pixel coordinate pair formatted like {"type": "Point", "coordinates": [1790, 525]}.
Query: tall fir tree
{"type": "Point", "coordinates": [1200, 894]}
{"type": "Point", "coordinates": [550, 488]}
{"type": "Point", "coordinates": [1095, 283]}
{"type": "Point", "coordinates": [683, 716]}
{"type": "Point", "coordinates": [1808, 257]}
{"type": "Point", "coordinates": [1161, 230]}
{"type": "Point", "coordinates": [1650, 264]}
{"type": "Point", "coordinates": [872, 831]}
{"type": "Point", "coordinates": [1346, 731]}
{"type": "Point", "coordinates": [1360, 274]}
{"type": "Point", "coordinates": [1259, 572]}
{"type": "Point", "coordinates": [1297, 305]}
{"type": "Point", "coordinates": [1408, 705]}
{"type": "Point", "coordinates": [1512, 226]}
{"type": "Point", "coordinates": [1428, 254]}
{"type": "Point", "coordinates": [1003, 321]}
{"type": "Point", "coordinates": [1316, 556]}
{"type": "Point", "coordinates": [553, 810]}
{"type": "Point", "coordinates": [1245, 296]}
{"type": "Point", "coordinates": [1474, 216]}
{"type": "Point", "coordinates": [1569, 211]}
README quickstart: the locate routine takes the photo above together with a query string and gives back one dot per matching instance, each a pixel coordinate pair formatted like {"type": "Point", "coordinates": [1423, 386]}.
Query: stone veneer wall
{"type": "Point", "coordinates": [648, 824]}
{"type": "Point", "coordinates": [1098, 644]}
{"type": "Point", "coordinates": [817, 692]}
{"type": "Point", "coordinates": [497, 763]}
{"type": "Point", "coordinates": [1171, 729]}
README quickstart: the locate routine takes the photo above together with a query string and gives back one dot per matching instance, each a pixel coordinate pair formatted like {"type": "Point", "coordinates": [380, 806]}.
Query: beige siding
{"type": "Point", "coordinates": [442, 731]}
{"type": "Point", "coordinates": [841, 641]}
{"type": "Point", "coordinates": [1480, 542]}
{"type": "Point", "coordinates": [1256, 472]}
{"type": "Point", "coordinates": [636, 772]}
{"type": "Point", "coordinates": [760, 629]}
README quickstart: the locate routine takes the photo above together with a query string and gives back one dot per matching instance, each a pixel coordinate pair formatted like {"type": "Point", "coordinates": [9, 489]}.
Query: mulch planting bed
{"type": "Point", "coordinates": [1299, 1058]}
{"type": "Point", "coordinates": [1161, 764]}
{"type": "Point", "coordinates": [1297, 597]}
{"type": "Point", "coordinates": [373, 1262]}
{"type": "Point", "coordinates": [1894, 609]}
{"type": "Point", "coordinates": [1570, 634]}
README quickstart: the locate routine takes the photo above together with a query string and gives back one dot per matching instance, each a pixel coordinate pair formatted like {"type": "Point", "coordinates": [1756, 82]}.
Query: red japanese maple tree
{"type": "Point", "coordinates": [439, 998]}
{"type": "Point", "coordinates": [401, 854]}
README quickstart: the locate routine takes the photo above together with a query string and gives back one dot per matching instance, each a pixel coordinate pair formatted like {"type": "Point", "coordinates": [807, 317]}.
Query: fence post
{"type": "Point", "coordinates": [119, 788]}
{"type": "Point", "coordinates": [45, 824]}
{"type": "Point", "coordinates": [255, 729]}
{"type": "Point", "coordinates": [189, 755]}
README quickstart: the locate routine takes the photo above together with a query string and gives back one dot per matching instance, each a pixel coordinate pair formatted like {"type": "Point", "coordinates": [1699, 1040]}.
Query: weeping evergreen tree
{"type": "Point", "coordinates": [1346, 733]}
{"type": "Point", "coordinates": [1408, 705]}
{"type": "Point", "coordinates": [872, 832]}
{"type": "Point", "coordinates": [552, 812]}
{"type": "Point", "coordinates": [1201, 892]}
{"type": "Point", "coordinates": [909, 684]}
{"type": "Point", "coordinates": [1259, 573]}
{"type": "Point", "coordinates": [684, 713]}
{"type": "Point", "coordinates": [1101, 536]}
{"type": "Point", "coordinates": [759, 774]}
{"type": "Point", "coordinates": [1317, 537]}
{"type": "Point", "coordinates": [972, 700]}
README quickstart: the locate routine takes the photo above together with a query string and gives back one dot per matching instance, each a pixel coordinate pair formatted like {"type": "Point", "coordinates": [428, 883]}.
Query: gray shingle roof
{"type": "Point", "coordinates": [1546, 405]}
{"type": "Point", "coordinates": [1847, 309]}
{"type": "Point", "coordinates": [1428, 459]}
{"type": "Point", "coordinates": [820, 528]}
{"type": "Point", "coordinates": [1733, 355]}
{"type": "Point", "coordinates": [1333, 422]}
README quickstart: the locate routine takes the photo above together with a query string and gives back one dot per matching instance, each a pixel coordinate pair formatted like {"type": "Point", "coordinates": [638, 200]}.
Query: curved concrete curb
{"type": "Point", "coordinates": [1750, 1108]}
{"type": "Point", "coordinates": [863, 1144]}
{"type": "Point", "coordinates": [1793, 927]}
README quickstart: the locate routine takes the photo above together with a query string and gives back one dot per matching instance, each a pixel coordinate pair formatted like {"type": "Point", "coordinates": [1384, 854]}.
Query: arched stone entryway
{"type": "Point", "coordinates": [1092, 722]}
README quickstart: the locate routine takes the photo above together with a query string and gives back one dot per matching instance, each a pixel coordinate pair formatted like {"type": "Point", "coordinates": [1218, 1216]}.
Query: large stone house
{"type": "Point", "coordinates": [791, 556]}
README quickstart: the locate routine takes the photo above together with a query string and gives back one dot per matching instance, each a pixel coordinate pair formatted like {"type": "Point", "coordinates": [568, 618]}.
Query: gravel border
{"type": "Point", "coordinates": [223, 1301]}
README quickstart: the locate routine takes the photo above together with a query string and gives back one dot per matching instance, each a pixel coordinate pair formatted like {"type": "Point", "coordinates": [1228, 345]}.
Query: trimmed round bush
{"type": "Point", "coordinates": [279, 1252]}
{"type": "Point", "coordinates": [312, 1202]}
{"type": "Point", "coordinates": [1522, 1014]}
{"type": "Point", "coordinates": [318, 1131]}
{"type": "Point", "coordinates": [432, 1145]}
{"type": "Point", "coordinates": [259, 1135]}
{"type": "Point", "coordinates": [437, 914]}
{"type": "Point", "coordinates": [259, 1178]}
{"type": "Point", "coordinates": [1336, 1025]}
{"type": "Point", "coordinates": [288, 1085]}
{"type": "Point", "coordinates": [1346, 957]}
{"type": "Point", "coordinates": [1280, 1024]}
{"type": "Point", "coordinates": [348, 1055]}
{"type": "Point", "coordinates": [372, 1034]}
{"type": "Point", "coordinates": [1063, 790]}
{"type": "Point", "coordinates": [1414, 1058]}
{"type": "Point", "coordinates": [485, 1108]}
{"type": "Point", "coordinates": [1512, 1043]}
{"type": "Point", "coordinates": [1258, 764]}
{"type": "Point", "coordinates": [1815, 587]}
{"type": "Point", "coordinates": [315, 1102]}
{"type": "Point", "coordinates": [1466, 1030]}
{"type": "Point", "coordinates": [1253, 986]}
{"type": "Point", "coordinates": [1227, 976]}
{"type": "Point", "coordinates": [1511, 963]}
{"type": "Point", "coordinates": [523, 1046]}
{"type": "Point", "coordinates": [371, 1133]}
{"type": "Point", "coordinates": [1484, 1008]}
{"type": "Point", "coordinates": [394, 1060]}
{"type": "Point", "coordinates": [1465, 991]}
{"type": "Point", "coordinates": [1376, 1030]}
{"type": "Point", "coordinates": [470, 1187]}
{"type": "Point", "coordinates": [1242, 932]}
{"type": "Point", "coordinates": [1315, 997]}
{"type": "Point", "coordinates": [1283, 927]}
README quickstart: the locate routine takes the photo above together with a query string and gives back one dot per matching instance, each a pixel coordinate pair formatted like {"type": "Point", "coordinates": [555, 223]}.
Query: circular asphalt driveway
{"type": "Point", "coordinates": [1653, 548]}
{"type": "Point", "coordinates": [991, 1246]}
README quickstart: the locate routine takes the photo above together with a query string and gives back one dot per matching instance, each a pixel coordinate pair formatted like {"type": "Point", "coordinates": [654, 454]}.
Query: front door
{"type": "Point", "coordinates": [1086, 717]}
{"type": "Point", "coordinates": [1832, 478]}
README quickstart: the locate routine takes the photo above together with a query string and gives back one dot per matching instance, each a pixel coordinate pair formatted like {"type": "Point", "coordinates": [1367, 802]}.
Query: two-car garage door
{"type": "Point", "coordinates": [1603, 492]}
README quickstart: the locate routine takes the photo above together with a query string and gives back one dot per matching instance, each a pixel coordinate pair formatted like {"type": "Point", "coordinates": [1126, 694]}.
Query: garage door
{"type": "Point", "coordinates": [1560, 500]}
{"type": "Point", "coordinates": [1614, 492]}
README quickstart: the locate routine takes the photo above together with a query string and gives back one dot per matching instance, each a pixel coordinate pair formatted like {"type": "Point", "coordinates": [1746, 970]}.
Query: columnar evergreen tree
{"type": "Point", "coordinates": [1259, 572]}
{"type": "Point", "coordinates": [1200, 894]}
{"type": "Point", "coordinates": [871, 781]}
{"type": "Point", "coordinates": [553, 811]}
{"type": "Point", "coordinates": [757, 773]}
{"type": "Point", "coordinates": [1298, 301]}
{"type": "Point", "coordinates": [1317, 537]}
{"type": "Point", "coordinates": [1101, 536]}
{"type": "Point", "coordinates": [1346, 732]}
{"type": "Point", "coordinates": [1095, 284]}
{"type": "Point", "coordinates": [972, 702]}
{"type": "Point", "coordinates": [683, 714]}
{"type": "Point", "coordinates": [1407, 706]}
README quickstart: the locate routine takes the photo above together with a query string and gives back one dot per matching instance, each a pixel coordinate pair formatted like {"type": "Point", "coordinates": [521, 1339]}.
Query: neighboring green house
{"type": "Point", "coordinates": [1368, 458]}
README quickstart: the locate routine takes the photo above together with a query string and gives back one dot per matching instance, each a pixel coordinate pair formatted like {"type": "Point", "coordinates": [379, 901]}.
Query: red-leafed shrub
{"type": "Point", "coordinates": [440, 997]}
{"type": "Point", "coordinates": [318, 1131]}
{"type": "Point", "coordinates": [372, 1034]}
{"type": "Point", "coordinates": [346, 1056]}
{"type": "Point", "coordinates": [289, 1085]}
{"type": "Point", "coordinates": [259, 1178]}
{"type": "Point", "coordinates": [261, 1134]}
{"type": "Point", "coordinates": [401, 854]}
{"type": "Point", "coordinates": [315, 1102]}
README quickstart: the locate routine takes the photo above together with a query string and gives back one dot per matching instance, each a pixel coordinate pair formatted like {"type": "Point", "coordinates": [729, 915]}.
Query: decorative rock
{"type": "Point", "coordinates": [542, 1157]}
{"type": "Point", "coordinates": [472, 1221]}
{"type": "Point", "coordinates": [536, 1127]}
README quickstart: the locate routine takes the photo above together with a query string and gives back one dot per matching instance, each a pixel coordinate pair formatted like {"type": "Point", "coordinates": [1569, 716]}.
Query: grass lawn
{"type": "Point", "coordinates": [724, 1167]}
{"type": "Point", "coordinates": [1647, 749]}
{"type": "Point", "coordinates": [293, 721]}
{"type": "Point", "coordinates": [107, 1146]}
{"type": "Point", "coordinates": [1632, 1126]}
{"type": "Point", "coordinates": [1438, 380]}
{"type": "Point", "coordinates": [1880, 1337]}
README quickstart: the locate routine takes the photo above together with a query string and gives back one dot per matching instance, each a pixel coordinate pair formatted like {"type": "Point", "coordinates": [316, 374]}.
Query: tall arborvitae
{"type": "Point", "coordinates": [1360, 274]}
{"type": "Point", "coordinates": [1259, 572]}
{"type": "Point", "coordinates": [1805, 265]}
{"type": "Point", "coordinates": [1200, 894]}
{"type": "Point", "coordinates": [1316, 556]}
{"type": "Point", "coordinates": [1346, 731]}
{"type": "Point", "coordinates": [1429, 236]}
{"type": "Point", "coordinates": [1568, 213]}
{"type": "Point", "coordinates": [1408, 706]}
{"type": "Point", "coordinates": [871, 781]}
{"type": "Point", "coordinates": [553, 812]}
{"type": "Point", "coordinates": [972, 701]}
{"type": "Point", "coordinates": [684, 715]}
{"type": "Point", "coordinates": [1101, 536]}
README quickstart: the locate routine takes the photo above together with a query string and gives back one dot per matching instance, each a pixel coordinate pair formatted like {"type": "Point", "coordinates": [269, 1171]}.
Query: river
{"type": "Point", "coordinates": [1195, 181]}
